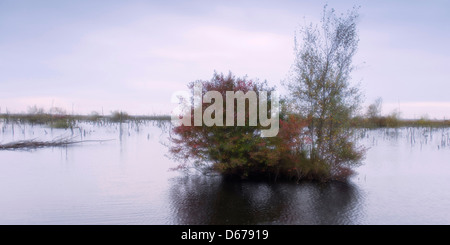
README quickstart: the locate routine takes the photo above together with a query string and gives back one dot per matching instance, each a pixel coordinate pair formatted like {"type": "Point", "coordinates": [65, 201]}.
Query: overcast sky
{"type": "Point", "coordinates": [133, 55]}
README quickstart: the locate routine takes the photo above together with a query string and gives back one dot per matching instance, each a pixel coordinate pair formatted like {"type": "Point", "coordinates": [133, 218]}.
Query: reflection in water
{"type": "Point", "coordinates": [210, 200]}
{"type": "Point", "coordinates": [404, 180]}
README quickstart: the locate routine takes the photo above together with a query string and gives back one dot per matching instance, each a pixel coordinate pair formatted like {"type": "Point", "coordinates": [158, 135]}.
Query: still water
{"type": "Point", "coordinates": [404, 179]}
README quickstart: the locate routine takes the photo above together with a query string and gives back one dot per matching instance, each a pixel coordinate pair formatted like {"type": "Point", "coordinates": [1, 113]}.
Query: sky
{"type": "Point", "coordinates": [103, 56]}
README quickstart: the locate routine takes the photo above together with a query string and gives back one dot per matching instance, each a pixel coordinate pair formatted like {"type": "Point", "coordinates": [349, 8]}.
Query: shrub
{"type": "Point", "coordinates": [119, 116]}
{"type": "Point", "coordinates": [241, 152]}
{"type": "Point", "coordinates": [62, 123]}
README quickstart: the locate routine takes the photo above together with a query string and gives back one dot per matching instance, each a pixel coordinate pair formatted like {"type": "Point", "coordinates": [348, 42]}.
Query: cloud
{"type": "Point", "coordinates": [131, 55]}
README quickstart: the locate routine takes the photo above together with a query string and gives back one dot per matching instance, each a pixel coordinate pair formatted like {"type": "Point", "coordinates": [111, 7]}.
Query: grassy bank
{"type": "Point", "coordinates": [393, 122]}
{"type": "Point", "coordinates": [68, 121]}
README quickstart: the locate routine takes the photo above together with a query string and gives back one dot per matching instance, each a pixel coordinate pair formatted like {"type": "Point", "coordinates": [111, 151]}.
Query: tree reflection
{"type": "Point", "coordinates": [198, 200]}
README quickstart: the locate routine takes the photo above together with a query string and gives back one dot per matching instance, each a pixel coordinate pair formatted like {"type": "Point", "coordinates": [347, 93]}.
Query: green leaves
{"type": "Point", "coordinates": [320, 88]}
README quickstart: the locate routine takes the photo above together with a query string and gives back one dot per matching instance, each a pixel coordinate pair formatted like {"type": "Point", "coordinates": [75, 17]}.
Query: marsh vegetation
{"type": "Point", "coordinates": [126, 181]}
{"type": "Point", "coordinates": [317, 120]}
{"type": "Point", "coordinates": [74, 127]}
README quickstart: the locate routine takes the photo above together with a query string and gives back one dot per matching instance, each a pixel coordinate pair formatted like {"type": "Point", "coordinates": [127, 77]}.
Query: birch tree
{"type": "Point", "coordinates": [320, 87]}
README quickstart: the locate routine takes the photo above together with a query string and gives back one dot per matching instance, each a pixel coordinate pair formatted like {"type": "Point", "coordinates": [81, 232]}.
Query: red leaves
{"type": "Point", "coordinates": [240, 151]}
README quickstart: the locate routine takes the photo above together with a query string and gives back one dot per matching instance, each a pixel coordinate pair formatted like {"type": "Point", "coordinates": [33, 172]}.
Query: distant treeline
{"type": "Point", "coordinates": [58, 118]}
{"type": "Point", "coordinates": [394, 122]}
{"type": "Point", "coordinates": [63, 120]}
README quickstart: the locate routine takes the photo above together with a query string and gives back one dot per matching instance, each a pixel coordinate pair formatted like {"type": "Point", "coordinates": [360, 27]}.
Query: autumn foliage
{"type": "Point", "coordinates": [240, 151]}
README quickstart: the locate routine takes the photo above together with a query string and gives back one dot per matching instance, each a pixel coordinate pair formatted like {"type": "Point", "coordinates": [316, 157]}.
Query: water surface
{"type": "Point", "coordinates": [405, 179]}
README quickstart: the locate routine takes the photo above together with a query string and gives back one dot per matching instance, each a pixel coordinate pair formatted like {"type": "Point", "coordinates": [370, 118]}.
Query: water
{"type": "Point", "coordinates": [405, 179]}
